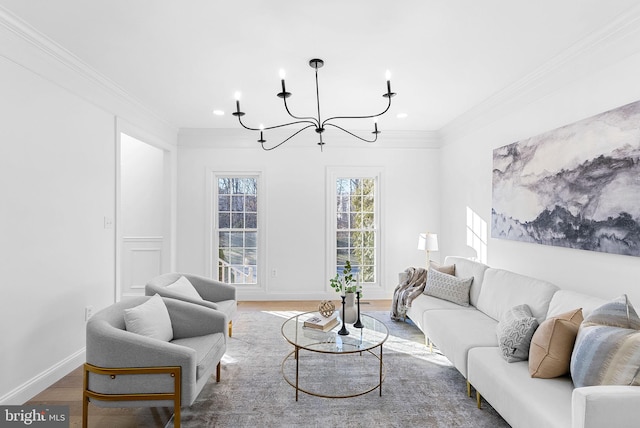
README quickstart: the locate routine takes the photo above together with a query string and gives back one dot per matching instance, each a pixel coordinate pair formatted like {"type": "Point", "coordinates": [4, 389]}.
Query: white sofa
{"type": "Point", "coordinates": [467, 337]}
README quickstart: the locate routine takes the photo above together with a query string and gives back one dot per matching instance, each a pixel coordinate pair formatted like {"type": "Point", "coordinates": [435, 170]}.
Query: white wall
{"type": "Point", "coordinates": [297, 249]}
{"type": "Point", "coordinates": [57, 181]}
{"type": "Point", "coordinates": [57, 185]}
{"type": "Point", "coordinates": [601, 79]}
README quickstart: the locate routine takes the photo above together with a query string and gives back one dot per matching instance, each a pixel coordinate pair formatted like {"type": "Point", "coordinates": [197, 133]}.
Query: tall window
{"type": "Point", "coordinates": [356, 225]}
{"type": "Point", "coordinates": [237, 229]}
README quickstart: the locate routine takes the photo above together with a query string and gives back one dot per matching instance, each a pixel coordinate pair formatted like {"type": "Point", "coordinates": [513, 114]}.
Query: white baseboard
{"type": "Point", "coordinates": [43, 380]}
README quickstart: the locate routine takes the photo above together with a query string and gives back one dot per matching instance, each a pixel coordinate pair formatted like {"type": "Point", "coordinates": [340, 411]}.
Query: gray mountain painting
{"type": "Point", "coordinates": [577, 186]}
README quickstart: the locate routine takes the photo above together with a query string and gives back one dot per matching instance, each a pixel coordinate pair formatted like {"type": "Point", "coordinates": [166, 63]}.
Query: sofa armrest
{"type": "Point", "coordinates": [601, 406]}
{"type": "Point", "coordinates": [189, 320]}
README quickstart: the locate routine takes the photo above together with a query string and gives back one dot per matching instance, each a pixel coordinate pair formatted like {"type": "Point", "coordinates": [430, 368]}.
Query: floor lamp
{"type": "Point", "coordinates": [428, 242]}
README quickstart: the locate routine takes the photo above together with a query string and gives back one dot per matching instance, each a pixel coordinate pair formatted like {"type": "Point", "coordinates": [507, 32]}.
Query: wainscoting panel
{"type": "Point", "coordinates": [142, 260]}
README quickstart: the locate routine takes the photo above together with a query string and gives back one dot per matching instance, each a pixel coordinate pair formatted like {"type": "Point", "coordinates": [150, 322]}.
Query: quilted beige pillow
{"type": "Point", "coordinates": [552, 345]}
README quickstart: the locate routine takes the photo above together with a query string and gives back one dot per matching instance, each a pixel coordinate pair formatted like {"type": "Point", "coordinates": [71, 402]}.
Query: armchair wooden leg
{"type": "Point", "coordinates": [479, 400]}
{"type": "Point", "coordinates": [230, 328]}
{"type": "Point", "coordinates": [218, 373]}
{"type": "Point", "coordinates": [468, 389]}
{"type": "Point", "coordinates": [85, 398]}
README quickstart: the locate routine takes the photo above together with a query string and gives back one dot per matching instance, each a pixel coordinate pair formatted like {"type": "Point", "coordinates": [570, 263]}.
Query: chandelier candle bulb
{"type": "Point", "coordinates": [237, 97]}
{"type": "Point", "coordinates": [388, 76]}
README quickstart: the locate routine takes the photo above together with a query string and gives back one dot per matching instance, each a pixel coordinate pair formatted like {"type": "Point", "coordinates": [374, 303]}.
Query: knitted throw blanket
{"type": "Point", "coordinates": [411, 287]}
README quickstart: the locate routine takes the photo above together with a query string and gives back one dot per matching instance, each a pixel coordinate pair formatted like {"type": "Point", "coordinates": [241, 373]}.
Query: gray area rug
{"type": "Point", "coordinates": [421, 389]}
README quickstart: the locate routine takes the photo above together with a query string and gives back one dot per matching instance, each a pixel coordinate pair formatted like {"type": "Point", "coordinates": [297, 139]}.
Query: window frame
{"type": "Point", "coordinates": [333, 174]}
{"type": "Point", "coordinates": [212, 227]}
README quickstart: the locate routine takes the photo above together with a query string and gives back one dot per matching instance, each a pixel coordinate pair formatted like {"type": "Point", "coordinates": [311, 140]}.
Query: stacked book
{"type": "Point", "coordinates": [318, 322]}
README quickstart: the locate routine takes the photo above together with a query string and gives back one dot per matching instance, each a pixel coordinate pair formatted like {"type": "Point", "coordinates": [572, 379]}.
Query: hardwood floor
{"type": "Point", "coordinates": [68, 390]}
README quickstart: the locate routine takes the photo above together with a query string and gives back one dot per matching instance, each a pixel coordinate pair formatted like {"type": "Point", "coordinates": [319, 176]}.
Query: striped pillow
{"type": "Point", "coordinates": [607, 349]}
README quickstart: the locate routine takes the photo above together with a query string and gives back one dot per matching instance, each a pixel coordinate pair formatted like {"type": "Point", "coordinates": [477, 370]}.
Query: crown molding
{"type": "Point", "coordinates": [613, 42]}
{"type": "Point", "coordinates": [73, 74]}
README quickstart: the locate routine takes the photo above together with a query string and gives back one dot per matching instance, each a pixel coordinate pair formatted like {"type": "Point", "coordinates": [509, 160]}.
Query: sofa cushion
{"type": "Point", "coordinates": [502, 290]}
{"type": "Point", "coordinates": [552, 344]}
{"type": "Point", "coordinates": [564, 301]}
{"type": "Point", "coordinates": [150, 319]}
{"type": "Point", "coordinates": [184, 286]}
{"type": "Point", "coordinates": [514, 333]}
{"type": "Point", "coordinates": [607, 349]}
{"type": "Point", "coordinates": [522, 401]}
{"type": "Point", "coordinates": [454, 332]}
{"type": "Point", "coordinates": [448, 287]}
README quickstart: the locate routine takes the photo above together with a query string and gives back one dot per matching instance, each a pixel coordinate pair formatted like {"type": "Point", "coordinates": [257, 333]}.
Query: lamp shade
{"type": "Point", "coordinates": [428, 242]}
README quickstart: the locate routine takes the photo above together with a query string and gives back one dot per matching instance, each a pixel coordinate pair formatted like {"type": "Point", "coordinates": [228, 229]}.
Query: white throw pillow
{"type": "Point", "coordinates": [150, 319]}
{"type": "Point", "coordinates": [448, 287]}
{"type": "Point", "coordinates": [184, 286]}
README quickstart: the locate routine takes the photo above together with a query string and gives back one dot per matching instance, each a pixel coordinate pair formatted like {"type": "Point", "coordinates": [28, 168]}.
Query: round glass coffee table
{"type": "Point", "coordinates": [360, 345]}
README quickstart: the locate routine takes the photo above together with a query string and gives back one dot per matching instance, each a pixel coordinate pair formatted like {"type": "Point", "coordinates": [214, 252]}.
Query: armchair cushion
{"type": "Point", "coordinates": [150, 319]}
{"type": "Point", "coordinates": [183, 286]}
{"type": "Point", "coordinates": [209, 350]}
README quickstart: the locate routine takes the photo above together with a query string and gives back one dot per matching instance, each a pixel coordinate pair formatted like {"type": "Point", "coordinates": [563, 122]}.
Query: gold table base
{"type": "Point", "coordinates": [296, 384]}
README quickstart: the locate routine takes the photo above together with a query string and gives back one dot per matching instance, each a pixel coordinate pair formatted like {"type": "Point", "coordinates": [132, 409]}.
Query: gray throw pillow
{"type": "Point", "coordinates": [515, 331]}
{"type": "Point", "coordinates": [448, 287]}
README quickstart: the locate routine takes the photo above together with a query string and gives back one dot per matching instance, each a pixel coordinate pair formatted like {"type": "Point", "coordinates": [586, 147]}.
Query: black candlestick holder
{"type": "Point", "coordinates": [358, 323]}
{"type": "Point", "coordinates": [343, 331]}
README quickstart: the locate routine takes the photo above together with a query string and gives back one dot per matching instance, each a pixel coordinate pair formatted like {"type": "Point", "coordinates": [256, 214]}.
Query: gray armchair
{"type": "Point", "coordinates": [126, 369]}
{"type": "Point", "coordinates": [215, 294]}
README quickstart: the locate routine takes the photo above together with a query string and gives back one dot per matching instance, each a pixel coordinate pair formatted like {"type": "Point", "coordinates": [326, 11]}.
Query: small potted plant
{"type": "Point", "coordinates": [347, 285]}
{"type": "Point", "coordinates": [343, 283]}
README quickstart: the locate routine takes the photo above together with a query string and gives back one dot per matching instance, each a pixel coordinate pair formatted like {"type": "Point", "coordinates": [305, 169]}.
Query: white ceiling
{"type": "Point", "coordinates": [183, 59]}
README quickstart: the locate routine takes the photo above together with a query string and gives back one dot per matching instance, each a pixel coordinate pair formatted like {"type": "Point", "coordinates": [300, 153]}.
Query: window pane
{"type": "Point", "coordinates": [237, 203]}
{"type": "Point", "coordinates": [251, 204]}
{"type": "Point", "coordinates": [237, 221]}
{"type": "Point", "coordinates": [251, 221]}
{"type": "Point", "coordinates": [223, 238]}
{"type": "Point", "coordinates": [224, 187]}
{"type": "Point", "coordinates": [237, 239]}
{"type": "Point", "coordinates": [342, 257]}
{"type": "Point", "coordinates": [251, 240]}
{"type": "Point", "coordinates": [343, 239]}
{"type": "Point", "coordinates": [224, 203]}
{"type": "Point", "coordinates": [250, 257]}
{"type": "Point", "coordinates": [224, 220]}
{"type": "Point", "coordinates": [236, 256]}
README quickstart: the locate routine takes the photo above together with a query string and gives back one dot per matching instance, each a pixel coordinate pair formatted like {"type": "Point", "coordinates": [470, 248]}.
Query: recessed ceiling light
{"type": "Point", "coordinates": [402, 115]}
{"type": "Point", "coordinates": [218, 112]}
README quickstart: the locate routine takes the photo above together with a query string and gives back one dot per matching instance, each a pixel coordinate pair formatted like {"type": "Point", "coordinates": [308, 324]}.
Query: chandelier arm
{"type": "Point", "coordinates": [324, 122]}
{"type": "Point", "coordinates": [288, 138]}
{"type": "Point", "coordinates": [352, 134]}
{"type": "Point", "coordinates": [307, 119]}
{"type": "Point", "coordinates": [276, 126]}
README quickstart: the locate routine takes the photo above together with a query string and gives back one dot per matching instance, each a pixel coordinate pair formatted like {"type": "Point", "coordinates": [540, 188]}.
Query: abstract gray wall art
{"type": "Point", "coordinates": [577, 186]}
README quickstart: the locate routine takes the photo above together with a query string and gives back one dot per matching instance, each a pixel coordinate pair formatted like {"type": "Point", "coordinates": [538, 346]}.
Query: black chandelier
{"type": "Point", "coordinates": [315, 122]}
